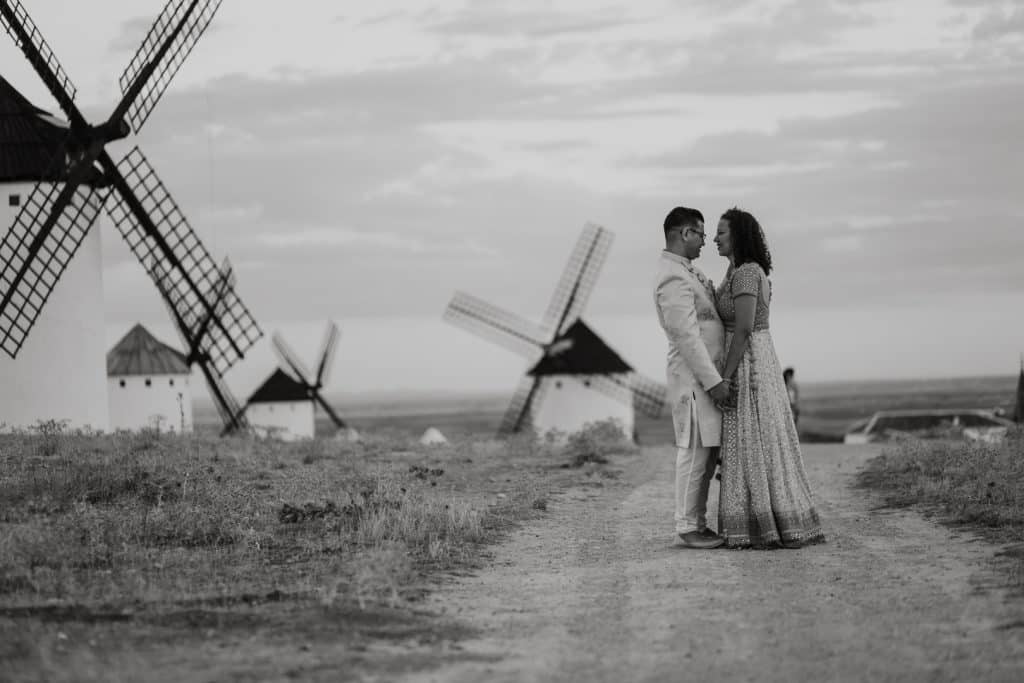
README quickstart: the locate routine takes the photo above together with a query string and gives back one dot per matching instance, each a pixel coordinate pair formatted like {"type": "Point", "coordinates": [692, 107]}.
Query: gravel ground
{"type": "Point", "coordinates": [599, 591]}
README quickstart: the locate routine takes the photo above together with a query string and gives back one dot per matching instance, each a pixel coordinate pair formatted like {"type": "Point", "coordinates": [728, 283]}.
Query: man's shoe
{"type": "Point", "coordinates": [705, 540]}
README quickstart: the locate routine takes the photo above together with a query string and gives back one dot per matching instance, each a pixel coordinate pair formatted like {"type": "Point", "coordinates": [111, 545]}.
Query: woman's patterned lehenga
{"type": "Point", "coordinates": [765, 500]}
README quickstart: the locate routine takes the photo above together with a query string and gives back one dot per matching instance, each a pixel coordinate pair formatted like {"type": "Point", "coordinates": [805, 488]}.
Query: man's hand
{"type": "Point", "coordinates": [721, 392]}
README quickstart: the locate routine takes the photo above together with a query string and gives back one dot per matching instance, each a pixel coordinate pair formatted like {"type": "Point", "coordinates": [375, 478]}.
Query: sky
{"type": "Point", "coordinates": [362, 161]}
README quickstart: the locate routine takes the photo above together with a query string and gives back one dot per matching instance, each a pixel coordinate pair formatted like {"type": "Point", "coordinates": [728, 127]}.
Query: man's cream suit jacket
{"type": "Point", "coordinates": [696, 349]}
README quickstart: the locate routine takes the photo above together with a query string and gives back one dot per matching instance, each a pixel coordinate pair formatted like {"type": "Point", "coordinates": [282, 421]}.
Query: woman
{"type": "Point", "coordinates": [765, 500]}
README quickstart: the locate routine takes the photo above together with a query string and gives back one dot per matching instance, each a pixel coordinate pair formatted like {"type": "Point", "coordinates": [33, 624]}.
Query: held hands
{"type": "Point", "coordinates": [723, 395]}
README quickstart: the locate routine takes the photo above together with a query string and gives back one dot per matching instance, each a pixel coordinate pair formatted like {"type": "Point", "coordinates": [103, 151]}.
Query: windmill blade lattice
{"type": "Point", "coordinates": [27, 37]}
{"type": "Point", "coordinates": [649, 396]}
{"type": "Point", "coordinates": [290, 360]}
{"type": "Point", "coordinates": [578, 279]}
{"type": "Point", "coordinates": [36, 251]}
{"type": "Point", "coordinates": [642, 393]}
{"type": "Point", "coordinates": [327, 353]}
{"type": "Point", "coordinates": [169, 42]}
{"type": "Point", "coordinates": [190, 270]}
{"type": "Point", "coordinates": [190, 331]}
{"type": "Point", "coordinates": [619, 387]}
{"type": "Point", "coordinates": [519, 414]}
{"type": "Point", "coordinates": [221, 296]}
{"type": "Point", "coordinates": [507, 329]}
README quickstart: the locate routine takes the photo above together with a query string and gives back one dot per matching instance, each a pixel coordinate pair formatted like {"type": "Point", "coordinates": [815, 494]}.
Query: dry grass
{"type": "Point", "coordinates": [111, 522]}
{"type": "Point", "coordinates": [970, 483]}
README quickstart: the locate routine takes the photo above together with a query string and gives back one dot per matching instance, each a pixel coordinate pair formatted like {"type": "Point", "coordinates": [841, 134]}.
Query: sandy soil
{"type": "Point", "coordinates": [600, 591]}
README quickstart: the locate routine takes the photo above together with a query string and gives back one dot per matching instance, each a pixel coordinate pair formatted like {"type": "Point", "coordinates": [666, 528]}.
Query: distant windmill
{"type": "Point", "coordinates": [148, 384]}
{"type": "Point", "coordinates": [575, 377]}
{"type": "Point", "coordinates": [287, 400]}
{"type": "Point", "coordinates": [58, 214]}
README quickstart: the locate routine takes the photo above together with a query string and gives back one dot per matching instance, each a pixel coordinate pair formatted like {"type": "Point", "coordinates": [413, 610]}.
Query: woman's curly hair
{"type": "Point", "coordinates": [748, 242]}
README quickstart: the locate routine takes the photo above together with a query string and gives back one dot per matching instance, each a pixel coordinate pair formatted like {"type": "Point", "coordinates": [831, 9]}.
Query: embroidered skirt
{"type": "Point", "coordinates": [765, 500]}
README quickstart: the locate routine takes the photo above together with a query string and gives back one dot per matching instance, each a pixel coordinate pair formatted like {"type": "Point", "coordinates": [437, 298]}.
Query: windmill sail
{"type": "Point", "coordinates": [187, 270]}
{"type": "Point", "coordinates": [29, 39]}
{"type": "Point", "coordinates": [194, 332]}
{"type": "Point", "coordinates": [514, 333]}
{"type": "Point", "coordinates": [327, 351]}
{"type": "Point", "coordinates": [161, 54]}
{"type": "Point", "coordinates": [36, 251]}
{"type": "Point", "coordinates": [578, 279]}
{"type": "Point", "coordinates": [290, 362]}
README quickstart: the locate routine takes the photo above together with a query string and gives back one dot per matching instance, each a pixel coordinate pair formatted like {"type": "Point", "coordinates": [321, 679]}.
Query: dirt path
{"type": "Point", "coordinates": [598, 591]}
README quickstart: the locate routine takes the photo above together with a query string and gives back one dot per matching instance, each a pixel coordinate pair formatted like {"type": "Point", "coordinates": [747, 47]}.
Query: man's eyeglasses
{"type": "Point", "coordinates": [698, 233]}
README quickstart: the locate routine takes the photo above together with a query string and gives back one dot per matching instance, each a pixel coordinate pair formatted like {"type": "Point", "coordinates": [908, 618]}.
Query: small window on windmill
{"type": "Point", "coordinates": [149, 382]}
{"type": "Point", "coordinates": [14, 200]}
{"type": "Point", "coordinates": [121, 383]}
{"type": "Point", "coordinates": [172, 381]}
{"type": "Point", "coordinates": [558, 384]}
{"type": "Point", "coordinates": [586, 382]}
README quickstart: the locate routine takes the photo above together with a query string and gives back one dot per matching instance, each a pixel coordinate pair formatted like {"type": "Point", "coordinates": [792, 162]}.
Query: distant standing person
{"type": "Point", "coordinates": [794, 394]}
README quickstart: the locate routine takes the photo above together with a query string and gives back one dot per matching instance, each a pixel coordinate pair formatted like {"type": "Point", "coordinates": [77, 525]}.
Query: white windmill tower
{"type": "Point", "coordinates": [285, 404]}
{"type": "Point", "coordinates": [574, 377]}
{"type": "Point", "coordinates": [148, 384]}
{"type": "Point", "coordinates": [60, 375]}
{"type": "Point", "coordinates": [50, 267]}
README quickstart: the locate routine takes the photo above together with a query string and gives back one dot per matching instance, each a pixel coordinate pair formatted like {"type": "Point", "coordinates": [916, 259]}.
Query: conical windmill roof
{"type": "Point", "coordinates": [140, 353]}
{"type": "Point", "coordinates": [31, 140]}
{"type": "Point", "coordinates": [579, 351]}
{"type": "Point", "coordinates": [280, 386]}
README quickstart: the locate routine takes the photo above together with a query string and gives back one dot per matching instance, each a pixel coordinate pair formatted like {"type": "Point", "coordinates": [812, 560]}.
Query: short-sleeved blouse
{"type": "Point", "coordinates": [749, 278]}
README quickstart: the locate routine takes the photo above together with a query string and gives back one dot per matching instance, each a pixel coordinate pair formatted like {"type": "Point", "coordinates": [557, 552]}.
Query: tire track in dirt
{"type": "Point", "coordinates": [599, 591]}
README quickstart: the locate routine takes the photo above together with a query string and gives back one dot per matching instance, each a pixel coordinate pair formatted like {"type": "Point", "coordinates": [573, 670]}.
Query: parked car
{"type": "Point", "coordinates": [974, 424]}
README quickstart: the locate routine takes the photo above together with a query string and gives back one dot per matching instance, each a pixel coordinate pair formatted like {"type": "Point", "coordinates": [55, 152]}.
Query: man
{"type": "Point", "coordinates": [794, 394]}
{"type": "Point", "coordinates": [684, 299]}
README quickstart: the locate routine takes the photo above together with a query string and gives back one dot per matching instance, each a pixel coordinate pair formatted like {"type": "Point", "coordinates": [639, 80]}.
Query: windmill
{"type": "Point", "coordinates": [148, 384]}
{"type": "Point", "coordinates": [287, 400]}
{"type": "Point", "coordinates": [59, 213]}
{"type": "Point", "coordinates": [574, 377]}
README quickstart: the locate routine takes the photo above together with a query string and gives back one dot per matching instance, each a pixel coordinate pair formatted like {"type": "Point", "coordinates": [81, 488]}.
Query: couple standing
{"type": "Point", "coordinates": [727, 394]}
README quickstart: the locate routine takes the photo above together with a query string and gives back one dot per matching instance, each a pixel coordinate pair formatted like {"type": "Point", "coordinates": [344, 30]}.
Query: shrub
{"type": "Point", "coordinates": [596, 441]}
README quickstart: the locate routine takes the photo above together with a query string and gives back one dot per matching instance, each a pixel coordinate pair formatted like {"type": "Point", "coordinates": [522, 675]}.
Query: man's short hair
{"type": "Point", "coordinates": [684, 217]}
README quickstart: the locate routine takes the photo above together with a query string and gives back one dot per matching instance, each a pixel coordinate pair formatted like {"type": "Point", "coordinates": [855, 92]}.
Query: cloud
{"type": "Point", "coordinates": [501, 21]}
{"type": "Point", "coordinates": [843, 243]}
{"type": "Point", "coordinates": [343, 237]}
{"type": "Point", "coordinates": [130, 34]}
{"type": "Point", "coordinates": [999, 24]}
{"type": "Point", "coordinates": [507, 137]}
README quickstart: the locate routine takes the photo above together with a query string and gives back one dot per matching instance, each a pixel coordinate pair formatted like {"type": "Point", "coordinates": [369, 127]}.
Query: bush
{"type": "Point", "coordinates": [596, 441]}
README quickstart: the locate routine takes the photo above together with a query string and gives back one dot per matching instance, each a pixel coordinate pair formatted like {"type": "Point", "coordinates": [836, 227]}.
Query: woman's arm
{"type": "Point", "coordinates": [746, 306]}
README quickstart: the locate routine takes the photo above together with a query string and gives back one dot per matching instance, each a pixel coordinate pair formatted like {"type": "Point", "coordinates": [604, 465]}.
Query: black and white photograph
{"type": "Point", "coordinates": [555, 340]}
